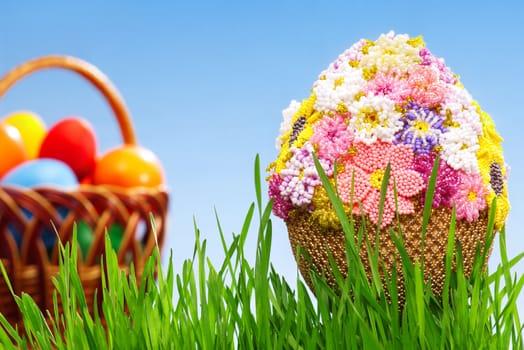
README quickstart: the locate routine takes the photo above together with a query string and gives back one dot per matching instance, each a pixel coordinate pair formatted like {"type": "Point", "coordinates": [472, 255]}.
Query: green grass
{"type": "Point", "coordinates": [238, 304]}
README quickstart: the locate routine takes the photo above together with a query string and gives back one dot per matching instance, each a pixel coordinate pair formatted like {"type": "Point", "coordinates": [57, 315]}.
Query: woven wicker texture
{"type": "Point", "coordinates": [31, 266]}
{"type": "Point", "coordinates": [316, 242]}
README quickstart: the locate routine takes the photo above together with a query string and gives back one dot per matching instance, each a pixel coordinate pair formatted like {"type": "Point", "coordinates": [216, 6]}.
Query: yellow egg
{"type": "Point", "coordinates": [31, 128]}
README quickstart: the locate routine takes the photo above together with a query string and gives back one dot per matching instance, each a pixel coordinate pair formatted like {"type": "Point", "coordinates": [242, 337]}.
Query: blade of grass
{"type": "Point", "coordinates": [258, 186]}
{"type": "Point", "coordinates": [428, 204]}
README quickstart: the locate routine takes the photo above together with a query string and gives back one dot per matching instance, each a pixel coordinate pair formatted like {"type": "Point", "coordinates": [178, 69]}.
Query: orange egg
{"type": "Point", "coordinates": [129, 166]}
{"type": "Point", "coordinates": [12, 149]}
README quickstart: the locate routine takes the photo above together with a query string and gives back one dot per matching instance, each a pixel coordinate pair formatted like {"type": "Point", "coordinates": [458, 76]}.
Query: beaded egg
{"type": "Point", "coordinates": [388, 106]}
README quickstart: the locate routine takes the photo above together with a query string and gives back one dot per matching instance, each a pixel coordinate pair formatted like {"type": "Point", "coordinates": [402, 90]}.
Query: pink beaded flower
{"type": "Point", "coordinates": [332, 137]}
{"type": "Point", "coordinates": [470, 198]}
{"type": "Point", "coordinates": [366, 172]}
{"type": "Point", "coordinates": [426, 88]}
{"type": "Point", "coordinates": [429, 60]}
{"type": "Point", "coordinates": [281, 205]}
{"type": "Point", "coordinates": [389, 84]}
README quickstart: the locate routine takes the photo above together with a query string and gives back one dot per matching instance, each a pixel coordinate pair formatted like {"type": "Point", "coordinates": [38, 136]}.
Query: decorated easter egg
{"type": "Point", "coordinates": [40, 173]}
{"type": "Point", "coordinates": [388, 106]}
{"type": "Point", "coordinates": [12, 150]}
{"type": "Point", "coordinates": [129, 166]}
{"type": "Point", "coordinates": [32, 130]}
{"type": "Point", "coordinates": [71, 140]}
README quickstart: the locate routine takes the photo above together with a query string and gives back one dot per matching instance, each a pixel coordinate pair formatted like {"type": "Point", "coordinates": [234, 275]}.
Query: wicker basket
{"type": "Point", "coordinates": [31, 267]}
{"type": "Point", "coordinates": [318, 243]}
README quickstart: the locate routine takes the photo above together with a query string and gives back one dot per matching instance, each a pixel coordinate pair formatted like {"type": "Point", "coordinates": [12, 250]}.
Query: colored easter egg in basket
{"type": "Point", "coordinates": [129, 166]}
{"type": "Point", "coordinates": [71, 140]}
{"type": "Point", "coordinates": [116, 234]}
{"type": "Point", "coordinates": [48, 235]}
{"type": "Point", "coordinates": [85, 236]}
{"type": "Point", "coordinates": [388, 106]}
{"type": "Point", "coordinates": [41, 173]}
{"type": "Point", "coordinates": [88, 180]}
{"type": "Point", "coordinates": [31, 128]}
{"type": "Point", "coordinates": [12, 150]}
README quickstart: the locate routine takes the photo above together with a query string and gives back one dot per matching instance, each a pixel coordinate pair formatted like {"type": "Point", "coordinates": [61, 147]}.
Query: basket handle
{"type": "Point", "coordinates": [98, 79]}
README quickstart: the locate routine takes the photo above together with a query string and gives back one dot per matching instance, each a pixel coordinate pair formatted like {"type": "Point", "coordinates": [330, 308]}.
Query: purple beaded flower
{"type": "Point", "coordinates": [422, 128]}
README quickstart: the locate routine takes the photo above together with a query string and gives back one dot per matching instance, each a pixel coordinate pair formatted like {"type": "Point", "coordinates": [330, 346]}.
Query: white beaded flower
{"type": "Point", "coordinates": [354, 53]}
{"type": "Point", "coordinates": [462, 115]}
{"type": "Point", "coordinates": [287, 123]}
{"type": "Point", "coordinates": [391, 52]}
{"type": "Point", "coordinates": [374, 118]}
{"type": "Point", "coordinates": [337, 89]}
{"type": "Point", "coordinates": [459, 149]}
{"type": "Point", "coordinates": [300, 177]}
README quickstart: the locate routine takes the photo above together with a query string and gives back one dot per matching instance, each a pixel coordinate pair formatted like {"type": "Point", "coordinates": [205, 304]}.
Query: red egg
{"type": "Point", "coordinates": [88, 180]}
{"type": "Point", "coordinates": [71, 140]}
{"type": "Point", "coordinates": [12, 149]}
{"type": "Point", "coordinates": [129, 166]}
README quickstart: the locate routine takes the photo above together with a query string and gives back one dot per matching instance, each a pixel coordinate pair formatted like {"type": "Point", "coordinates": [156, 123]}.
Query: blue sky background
{"type": "Point", "coordinates": [206, 82]}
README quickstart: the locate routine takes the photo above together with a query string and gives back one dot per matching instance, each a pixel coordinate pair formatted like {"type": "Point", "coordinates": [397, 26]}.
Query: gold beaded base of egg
{"type": "Point", "coordinates": [317, 242]}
